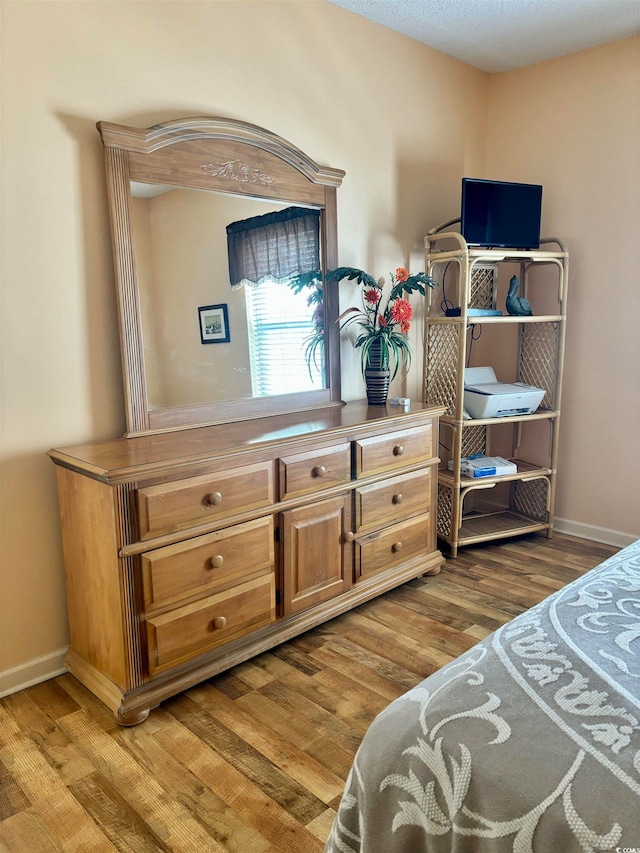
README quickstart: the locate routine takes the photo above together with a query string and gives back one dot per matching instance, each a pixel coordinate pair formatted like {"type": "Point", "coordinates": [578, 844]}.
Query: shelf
{"type": "Point", "coordinates": [497, 255]}
{"type": "Point", "coordinates": [526, 471]}
{"type": "Point", "coordinates": [540, 415]}
{"type": "Point", "coordinates": [482, 527]}
{"type": "Point", "coordinates": [503, 319]}
{"type": "Point", "coordinates": [494, 256]}
{"type": "Point", "coordinates": [528, 347]}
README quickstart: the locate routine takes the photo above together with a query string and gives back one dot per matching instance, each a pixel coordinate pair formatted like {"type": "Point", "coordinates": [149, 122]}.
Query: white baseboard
{"type": "Point", "coordinates": [595, 534]}
{"type": "Point", "coordinates": [32, 672]}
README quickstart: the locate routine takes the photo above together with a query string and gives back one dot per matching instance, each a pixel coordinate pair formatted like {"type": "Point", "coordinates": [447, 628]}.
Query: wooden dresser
{"type": "Point", "coordinates": [188, 552]}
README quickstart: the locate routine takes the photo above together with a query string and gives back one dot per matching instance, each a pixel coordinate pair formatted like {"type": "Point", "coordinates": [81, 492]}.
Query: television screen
{"type": "Point", "coordinates": [499, 213]}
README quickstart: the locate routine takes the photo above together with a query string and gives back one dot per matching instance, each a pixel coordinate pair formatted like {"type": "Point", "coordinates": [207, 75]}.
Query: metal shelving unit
{"type": "Point", "coordinates": [468, 513]}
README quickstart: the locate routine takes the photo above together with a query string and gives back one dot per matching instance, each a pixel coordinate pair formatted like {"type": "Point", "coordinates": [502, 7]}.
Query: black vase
{"type": "Point", "coordinates": [376, 376]}
{"type": "Point", "coordinates": [377, 382]}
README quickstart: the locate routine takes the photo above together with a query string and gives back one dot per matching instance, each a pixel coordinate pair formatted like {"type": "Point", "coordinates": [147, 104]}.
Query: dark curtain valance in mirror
{"type": "Point", "coordinates": [275, 246]}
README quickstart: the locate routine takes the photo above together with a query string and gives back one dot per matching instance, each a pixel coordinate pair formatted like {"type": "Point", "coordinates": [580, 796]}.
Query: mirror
{"type": "Point", "coordinates": [173, 190]}
{"type": "Point", "coordinates": [180, 241]}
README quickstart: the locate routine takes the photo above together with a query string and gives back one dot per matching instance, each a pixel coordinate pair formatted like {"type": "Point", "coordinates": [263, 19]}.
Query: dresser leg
{"type": "Point", "coordinates": [132, 718]}
{"type": "Point", "coordinates": [434, 571]}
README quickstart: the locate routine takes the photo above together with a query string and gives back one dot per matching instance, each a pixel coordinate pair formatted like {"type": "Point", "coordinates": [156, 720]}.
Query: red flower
{"type": "Point", "coordinates": [382, 321]}
{"type": "Point", "coordinates": [402, 312]}
{"type": "Point", "coordinates": [402, 274]}
{"type": "Point", "coordinates": [372, 296]}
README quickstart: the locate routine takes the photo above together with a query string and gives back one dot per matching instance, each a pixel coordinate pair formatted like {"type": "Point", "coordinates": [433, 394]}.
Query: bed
{"type": "Point", "coordinates": [530, 741]}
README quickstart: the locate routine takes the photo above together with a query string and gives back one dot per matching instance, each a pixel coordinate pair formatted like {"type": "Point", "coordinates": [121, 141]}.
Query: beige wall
{"type": "Point", "coordinates": [403, 121]}
{"type": "Point", "coordinates": [573, 125]}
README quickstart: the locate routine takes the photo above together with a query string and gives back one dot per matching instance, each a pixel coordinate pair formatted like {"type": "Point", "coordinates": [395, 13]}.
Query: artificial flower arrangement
{"type": "Point", "coordinates": [383, 335]}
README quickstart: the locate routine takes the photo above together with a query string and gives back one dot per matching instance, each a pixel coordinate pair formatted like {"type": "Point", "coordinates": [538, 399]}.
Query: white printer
{"type": "Point", "coordinates": [485, 397]}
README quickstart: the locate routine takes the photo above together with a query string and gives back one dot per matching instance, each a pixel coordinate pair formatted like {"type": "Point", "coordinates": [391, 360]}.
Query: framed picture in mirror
{"type": "Point", "coordinates": [214, 324]}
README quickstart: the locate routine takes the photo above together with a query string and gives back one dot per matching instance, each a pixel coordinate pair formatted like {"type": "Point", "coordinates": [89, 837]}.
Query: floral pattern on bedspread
{"type": "Point", "coordinates": [528, 742]}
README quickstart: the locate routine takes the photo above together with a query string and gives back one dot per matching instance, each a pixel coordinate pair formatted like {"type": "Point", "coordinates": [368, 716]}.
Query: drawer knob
{"type": "Point", "coordinates": [397, 499]}
{"type": "Point", "coordinates": [319, 471]}
{"type": "Point", "coordinates": [349, 536]}
{"type": "Point", "coordinates": [397, 546]}
{"type": "Point", "coordinates": [213, 499]}
{"type": "Point", "coordinates": [219, 622]}
{"type": "Point", "coordinates": [398, 450]}
{"type": "Point", "coordinates": [216, 562]}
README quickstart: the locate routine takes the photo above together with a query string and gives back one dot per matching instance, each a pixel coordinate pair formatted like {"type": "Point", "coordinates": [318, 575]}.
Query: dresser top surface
{"type": "Point", "coordinates": [120, 459]}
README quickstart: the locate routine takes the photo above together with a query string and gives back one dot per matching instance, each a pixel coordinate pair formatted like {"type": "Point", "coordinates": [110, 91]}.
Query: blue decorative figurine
{"type": "Point", "coordinates": [517, 305]}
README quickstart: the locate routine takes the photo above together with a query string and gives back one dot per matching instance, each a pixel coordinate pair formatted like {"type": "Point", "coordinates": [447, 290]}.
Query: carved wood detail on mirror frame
{"type": "Point", "coordinates": [172, 381]}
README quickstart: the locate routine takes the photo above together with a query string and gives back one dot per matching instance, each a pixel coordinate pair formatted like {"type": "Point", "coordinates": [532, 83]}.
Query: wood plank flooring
{"type": "Point", "coordinates": [255, 760]}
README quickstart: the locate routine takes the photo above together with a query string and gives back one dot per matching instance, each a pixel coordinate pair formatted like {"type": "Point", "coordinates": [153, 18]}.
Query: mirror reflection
{"type": "Point", "coordinates": [204, 340]}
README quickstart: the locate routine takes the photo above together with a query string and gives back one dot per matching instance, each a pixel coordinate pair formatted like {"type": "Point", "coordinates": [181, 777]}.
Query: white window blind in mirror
{"type": "Point", "coordinates": [280, 328]}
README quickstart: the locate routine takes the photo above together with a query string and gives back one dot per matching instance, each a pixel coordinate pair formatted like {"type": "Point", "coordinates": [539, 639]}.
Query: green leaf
{"type": "Point", "coordinates": [299, 282]}
{"type": "Point", "coordinates": [352, 273]}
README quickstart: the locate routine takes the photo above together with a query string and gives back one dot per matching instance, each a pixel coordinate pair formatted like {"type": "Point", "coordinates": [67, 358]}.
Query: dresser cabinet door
{"type": "Point", "coordinates": [317, 561]}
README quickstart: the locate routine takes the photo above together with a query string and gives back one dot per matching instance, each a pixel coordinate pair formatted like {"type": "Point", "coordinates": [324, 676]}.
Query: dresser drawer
{"type": "Point", "coordinates": [191, 630]}
{"type": "Point", "coordinates": [394, 545]}
{"type": "Point", "coordinates": [183, 503]}
{"type": "Point", "coordinates": [207, 563]}
{"type": "Point", "coordinates": [314, 470]}
{"type": "Point", "coordinates": [393, 499]}
{"type": "Point", "coordinates": [393, 450]}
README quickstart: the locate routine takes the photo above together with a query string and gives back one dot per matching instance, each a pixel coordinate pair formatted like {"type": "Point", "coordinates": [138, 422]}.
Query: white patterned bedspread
{"type": "Point", "coordinates": [530, 741]}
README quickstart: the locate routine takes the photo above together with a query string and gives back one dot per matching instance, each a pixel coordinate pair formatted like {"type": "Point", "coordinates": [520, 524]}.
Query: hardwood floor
{"type": "Point", "coordinates": [256, 759]}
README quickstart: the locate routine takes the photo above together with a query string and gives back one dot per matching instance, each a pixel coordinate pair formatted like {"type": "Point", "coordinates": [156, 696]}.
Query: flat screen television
{"type": "Point", "coordinates": [501, 214]}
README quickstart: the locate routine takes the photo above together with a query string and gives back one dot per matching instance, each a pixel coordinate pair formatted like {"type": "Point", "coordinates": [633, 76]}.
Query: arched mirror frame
{"type": "Point", "coordinates": [259, 165]}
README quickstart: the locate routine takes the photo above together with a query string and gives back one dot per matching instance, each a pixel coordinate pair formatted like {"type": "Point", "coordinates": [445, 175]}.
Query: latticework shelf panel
{"type": "Point", "coordinates": [538, 360]}
{"type": "Point", "coordinates": [445, 508]}
{"type": "Point", "coordinates": [531, 497]}
{"type": "Point", "coordinates": [474, 440]}
{"type": "Point", "coordinates": [483, 286]}
{"type": "Point", "coordinates": [441, 368]}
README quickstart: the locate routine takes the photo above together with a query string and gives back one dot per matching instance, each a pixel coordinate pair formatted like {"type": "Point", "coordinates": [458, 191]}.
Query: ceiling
{"type": "Point", "coordinates": [500, 35]}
